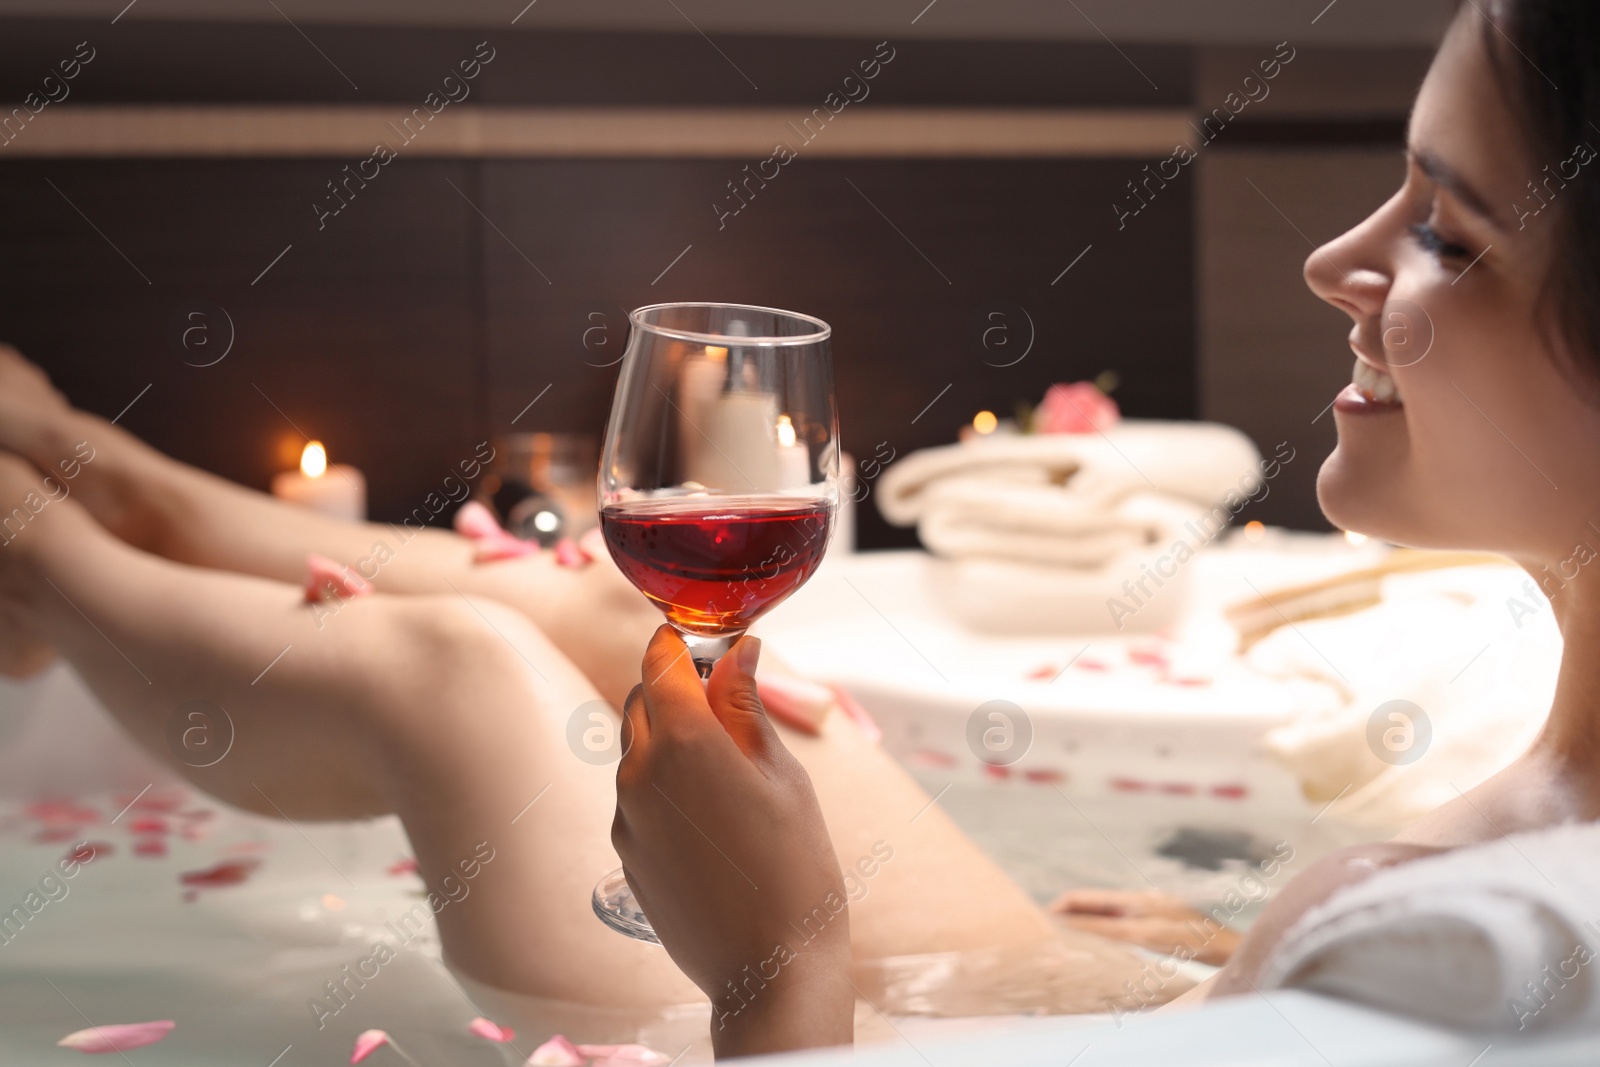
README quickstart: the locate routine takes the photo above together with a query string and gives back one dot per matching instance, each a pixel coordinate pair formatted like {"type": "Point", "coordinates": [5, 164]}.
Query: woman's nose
{"type": "Point", "coordinates": [1352, 271]}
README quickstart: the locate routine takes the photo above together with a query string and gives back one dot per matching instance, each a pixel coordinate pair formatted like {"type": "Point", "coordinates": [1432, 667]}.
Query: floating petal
{"type": "Point", "coordinates": [489, 1031]}
{"type": "Point", "coordinates": [367, 1042]}
{"type": "Point", "coordinates": [557, 1052]}
{"type": "Point", "coordinates": [117, 1037]}
{"type": "Point", "coordinates": [229, 872]}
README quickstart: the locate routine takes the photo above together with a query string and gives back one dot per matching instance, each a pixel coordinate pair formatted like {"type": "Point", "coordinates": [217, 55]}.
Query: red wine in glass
{"type": "Point", "coordinates": [714, 564]}
{"type": "Point", "coordinates": [718, 480]}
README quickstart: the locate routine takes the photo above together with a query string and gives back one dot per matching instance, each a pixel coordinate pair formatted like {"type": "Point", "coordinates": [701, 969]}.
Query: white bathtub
{"type": "Point", "coordinates": [1146, 751]}
{"type": "Point", "coordinates": [236, 966]}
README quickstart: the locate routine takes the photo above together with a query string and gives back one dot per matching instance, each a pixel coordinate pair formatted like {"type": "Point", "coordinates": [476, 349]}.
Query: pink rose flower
{"type": "Point", "coordinates": [1076, 408]}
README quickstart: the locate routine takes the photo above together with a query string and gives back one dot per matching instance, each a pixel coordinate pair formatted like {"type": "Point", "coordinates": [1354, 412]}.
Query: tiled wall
{"type": "Point", "coordinates": [450, 292]}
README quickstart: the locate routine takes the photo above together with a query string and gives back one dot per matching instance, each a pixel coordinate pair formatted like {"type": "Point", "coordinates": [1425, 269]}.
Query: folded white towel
{"type": "Point", "coordinates": [1077, 500]}
{"type": "Point", "coordinates": [972, 518]}
{"type": "Point", "coordinates": [1500, 936]}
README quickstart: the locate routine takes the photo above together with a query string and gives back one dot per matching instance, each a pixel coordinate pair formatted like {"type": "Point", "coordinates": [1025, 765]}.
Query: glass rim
{"type": "Point", "coordinates": [822, 333]}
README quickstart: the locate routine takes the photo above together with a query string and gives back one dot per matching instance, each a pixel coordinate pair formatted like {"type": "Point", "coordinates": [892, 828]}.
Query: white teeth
{"type": "Point", "coordinates": [1375, 384]}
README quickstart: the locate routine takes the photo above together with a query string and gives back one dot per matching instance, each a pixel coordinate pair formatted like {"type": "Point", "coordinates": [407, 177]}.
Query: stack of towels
{"type": "Point", "coordinates": [1037, 532]}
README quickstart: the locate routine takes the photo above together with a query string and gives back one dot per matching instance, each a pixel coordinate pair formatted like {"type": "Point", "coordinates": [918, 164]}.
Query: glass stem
{"type": "Point", "coordinates": [705, 651]}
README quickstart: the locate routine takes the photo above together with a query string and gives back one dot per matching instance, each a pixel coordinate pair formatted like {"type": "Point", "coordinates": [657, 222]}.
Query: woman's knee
{"type": "Point", "coordinates": [459, 657]}
{"type": "Point", "coordinates": [452, 642]}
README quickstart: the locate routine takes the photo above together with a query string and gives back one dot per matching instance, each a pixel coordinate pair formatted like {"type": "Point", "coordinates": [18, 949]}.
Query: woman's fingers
{"type": "Point", "coordinates": [1158, 921]}
{"type": "Point", "coordinates": [673, 694]}
{"type": "Point", "coordinates": [731, 691]}
{"type": "Point", "coordinates": [635, 720]}
{"type": "Point", "coordinates": [1122, 902]}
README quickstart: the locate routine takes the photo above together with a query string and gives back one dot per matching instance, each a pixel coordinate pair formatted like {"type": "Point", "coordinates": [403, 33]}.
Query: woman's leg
{"type": "Point", "coordinates": [940, 892]}
{"type": "Point", "coordinates": [186, 515]}
{"type": "Point", "coordinates": [450, 713]}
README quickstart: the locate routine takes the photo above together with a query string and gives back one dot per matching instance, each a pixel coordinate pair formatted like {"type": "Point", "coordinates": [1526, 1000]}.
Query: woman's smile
{"type": "Point", "coordinates": [1371, 392]}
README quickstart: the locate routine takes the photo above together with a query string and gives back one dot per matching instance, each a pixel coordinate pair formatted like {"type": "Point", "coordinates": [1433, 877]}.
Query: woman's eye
{"type": "Point", "coordinates": [1430, 241]}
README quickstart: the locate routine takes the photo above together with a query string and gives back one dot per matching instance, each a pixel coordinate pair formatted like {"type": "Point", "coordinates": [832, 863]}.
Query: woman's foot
{"type": "Point", "coordinates": [23, 497]}
{"type": "Point", "coordinates": [31, 409]}
{"type": "Point", "coordinates": [88, 456]}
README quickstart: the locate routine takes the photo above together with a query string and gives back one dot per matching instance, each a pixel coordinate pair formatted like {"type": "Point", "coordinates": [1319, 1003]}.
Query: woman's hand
{"type": "Point", "coordinates": [725, 848]}
{"type": "Point", "coordinates": [1158, 921]}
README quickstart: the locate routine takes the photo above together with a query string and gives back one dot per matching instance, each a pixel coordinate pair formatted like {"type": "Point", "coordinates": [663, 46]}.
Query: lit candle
{"type": "Point", "coordinates": [338, 490]}
{"type": "Point", "coordinates": [698, 388]}
{"type": "Point", "coordinates": [983, 424]}
{"type": "Point", "coordinates": [794, 462]}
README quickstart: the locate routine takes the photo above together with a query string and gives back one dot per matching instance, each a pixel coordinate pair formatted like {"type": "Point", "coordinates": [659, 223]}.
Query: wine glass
{"type": "Point", "coordinates": [719, 480]}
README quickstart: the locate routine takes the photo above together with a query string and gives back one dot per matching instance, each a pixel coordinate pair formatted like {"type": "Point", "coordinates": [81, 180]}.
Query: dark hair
{"type": "Point", "coordinates": [1546, 55]}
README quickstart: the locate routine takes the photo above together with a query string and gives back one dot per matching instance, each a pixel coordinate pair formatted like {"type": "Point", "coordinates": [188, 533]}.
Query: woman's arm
{"type": "Point", "coordinates": [725, 848]}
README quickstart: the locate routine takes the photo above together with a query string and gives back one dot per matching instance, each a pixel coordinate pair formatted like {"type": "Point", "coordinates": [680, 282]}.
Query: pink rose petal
{"type": "Point", "coordinates": [569, 554]}
{"type": "Point", "coordinates": [475, 521]}
{"type": "Point", "coordinates": [795, 701]}
{"type": "Point", "coordinates": [622, 1055]}
{"type": "Point", "coordinates": [229, 872]}
{"type": "Point", "coordinates": [557, 1052]}
{"type": "Point", "coordinates": [367, 1042]}
{"type": "Point", "coordinates": [61, 813]}
{"type": "Point", "coordinates": [489, 1031]}
{"type": "Point", "coordinates": [1148, 657]}
{"type": "Point", "coordinates": [330, 579]}
{"type": "Point", "coordinates": [147, 824]}
{"type": "Point", "coordinates": [87, 851]}
{"type": "Point", "coordinates": [403, 865]}
{"type": "Point", "coordinates": [490, 542]}
{"type": "Point", "coordinates": [117, 1037]}
{"type": "Point", "coordinates": [502, 546]}
{"type": "Point", "coordinates": [150, 846]}
{"type": "Point", "coordinates": [857, 714]}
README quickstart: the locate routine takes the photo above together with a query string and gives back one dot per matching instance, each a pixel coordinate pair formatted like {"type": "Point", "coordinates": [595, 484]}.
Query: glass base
{"type": "Point", "coordinates": [705, 651]}
{"type": "Point", "coordinates": [614, 903]}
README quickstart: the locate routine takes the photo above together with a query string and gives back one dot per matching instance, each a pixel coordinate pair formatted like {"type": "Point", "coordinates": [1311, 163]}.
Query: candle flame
{"type": "Point", "coordinates": [985, 422]}
{"type": "Point", "coordinates": [314, 460]}
{"type": "Point", "coordinates": [785, 431]}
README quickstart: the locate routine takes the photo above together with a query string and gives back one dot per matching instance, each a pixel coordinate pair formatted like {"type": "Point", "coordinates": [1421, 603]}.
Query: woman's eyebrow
{"type": "Point", "coordinates": [1447, 178]}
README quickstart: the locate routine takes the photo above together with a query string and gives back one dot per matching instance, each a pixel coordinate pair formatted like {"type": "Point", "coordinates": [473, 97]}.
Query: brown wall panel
{"type": "Point", "coordinates": [989, 237]}
{"type": "Point", "coordinates": [364, 333]}
{"type": "Point", "coordinates": [411, 326]}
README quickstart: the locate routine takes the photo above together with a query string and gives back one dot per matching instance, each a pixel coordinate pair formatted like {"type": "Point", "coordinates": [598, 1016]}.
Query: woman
{"type": "Point", "coordinates": [1488, 442]}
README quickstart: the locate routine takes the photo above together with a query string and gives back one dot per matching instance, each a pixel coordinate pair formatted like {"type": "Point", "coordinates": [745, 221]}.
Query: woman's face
{"type": "Point", "coordinates": [1486, 443]}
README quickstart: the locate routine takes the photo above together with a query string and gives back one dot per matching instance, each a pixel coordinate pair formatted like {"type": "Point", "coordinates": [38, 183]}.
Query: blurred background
{"type": "Point", "coordinates": [201, 232]}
